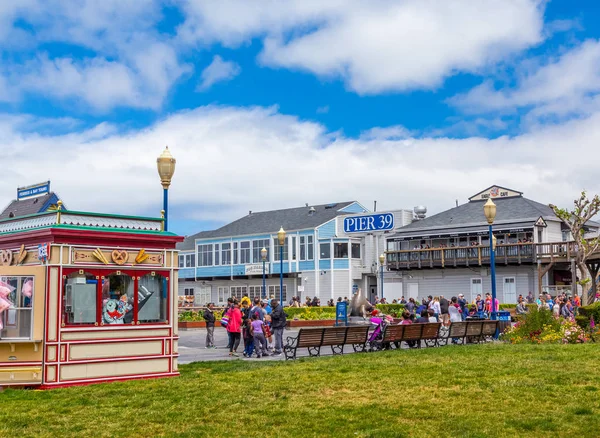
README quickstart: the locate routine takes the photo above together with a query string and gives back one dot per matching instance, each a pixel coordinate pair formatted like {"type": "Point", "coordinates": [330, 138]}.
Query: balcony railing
{"type": "Point", "coordinates": [508, 254]}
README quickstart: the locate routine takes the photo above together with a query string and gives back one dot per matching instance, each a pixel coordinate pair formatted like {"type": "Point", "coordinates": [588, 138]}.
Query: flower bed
{"type": "Point", "coordinates": [541, 327]}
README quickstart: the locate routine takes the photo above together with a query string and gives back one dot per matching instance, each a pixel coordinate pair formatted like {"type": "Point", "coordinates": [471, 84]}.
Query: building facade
{"type": "Point", "coordinates": [448, 253]}
{"type": "Point", "coordinates": [323, 256]}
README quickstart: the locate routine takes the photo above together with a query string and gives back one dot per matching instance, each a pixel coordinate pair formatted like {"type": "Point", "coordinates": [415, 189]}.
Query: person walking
{"type": "Point", "coordinates": [278, 320]}
{"type": "Point", "coordinates": [444, 305]}
{"type": "Point", "coordinates": [462, 303]}
{"type": "Point", "coordinates": [234, 327]}
{"type": "Point", "coordinates": [209, 317]}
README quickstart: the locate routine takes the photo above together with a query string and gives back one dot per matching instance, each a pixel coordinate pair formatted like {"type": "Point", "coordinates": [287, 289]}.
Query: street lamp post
{"type": "Point", "coordinates": [281, 238]}
{"type": "Point", "coordinates": [263, 254]}
{"type": "Point", "coordinates": [166, 168]}
{"type": "Point", "coordinates": [489, 209]}
{"type": "Point", "coordinates": [381, 262]}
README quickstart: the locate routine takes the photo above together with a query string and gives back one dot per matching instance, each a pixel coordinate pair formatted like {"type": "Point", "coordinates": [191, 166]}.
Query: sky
{"type": "Point", "coordinates": [274, 104]}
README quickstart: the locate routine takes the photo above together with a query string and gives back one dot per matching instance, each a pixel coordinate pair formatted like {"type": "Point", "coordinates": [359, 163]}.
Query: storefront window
{"type": "Point", "coordinates": [152, 298]}
{"type": "Point", "coordinates": [16, 303]}
{"type": "Point", "coordinates": [117, 299]}
{"type": "Point", "coordinates": [340, 250]}
{"type": "Point", "coordinates": [79, 299]}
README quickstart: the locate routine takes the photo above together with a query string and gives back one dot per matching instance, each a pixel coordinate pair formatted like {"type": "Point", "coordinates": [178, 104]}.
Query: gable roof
{"type": "Point", "coordinates": [266, 222]}
{"type": "Point", "coordinates": [508, 211]}
{"type": "Point", "coordinates": [28, 206]}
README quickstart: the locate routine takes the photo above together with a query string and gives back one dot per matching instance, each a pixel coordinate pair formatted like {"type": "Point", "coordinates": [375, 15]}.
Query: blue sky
{"type": "Point", "coordinates": [273, 104]}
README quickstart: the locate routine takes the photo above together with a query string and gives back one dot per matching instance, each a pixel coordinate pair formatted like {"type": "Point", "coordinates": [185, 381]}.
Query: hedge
{"type": "Point", "coordinates": [585, 314]}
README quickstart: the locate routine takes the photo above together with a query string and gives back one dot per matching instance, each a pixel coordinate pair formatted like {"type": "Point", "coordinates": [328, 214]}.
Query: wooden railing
{"type": "Point", "coordinates": [508, 254]}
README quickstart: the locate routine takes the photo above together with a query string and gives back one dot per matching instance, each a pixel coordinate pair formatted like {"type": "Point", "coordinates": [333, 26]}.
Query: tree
{"type": "Point", "coordinates": [576, 219]}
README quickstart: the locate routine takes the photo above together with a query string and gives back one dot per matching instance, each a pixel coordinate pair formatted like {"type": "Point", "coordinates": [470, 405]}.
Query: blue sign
{"type": "Point", "coordinates": [370, 223]}
{"type": "Point", "coordinates": [38, 189]}
{"type": "Point", "coordinates": [341, 313]}
{"type": "Point", "coordinates": [354, 288]}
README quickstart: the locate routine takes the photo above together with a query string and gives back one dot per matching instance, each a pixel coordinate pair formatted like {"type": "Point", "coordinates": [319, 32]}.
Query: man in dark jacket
{"type": "Point", "coordinates": [444, 305]}
{"type": "Point", "coordinates": [278, 324]}
{"type": "Point", "coordinates": [209, 317]}
{"type": "Point", "coordinates": [463, 306]}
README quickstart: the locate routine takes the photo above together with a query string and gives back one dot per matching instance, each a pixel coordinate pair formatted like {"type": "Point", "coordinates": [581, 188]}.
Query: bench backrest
{"type": "Point", "coordinates": [311, 337]}
{"type": "Point", "coordinates": [334, 336]}
{"type": "Point", "coordinates": [474, 328]}
{"type": "Point", "coordinates": [393, 333]}
{"type": "Point", "coordinates": [458, 330]}
{"type": "Point", "coordinates": [412, 332]}
{"type": "Point", "coordinates": [489, 328]}
{"type": "Point", "coordinates": [431, 330]}
{"type": "Point", "coordinates": [357, 334]}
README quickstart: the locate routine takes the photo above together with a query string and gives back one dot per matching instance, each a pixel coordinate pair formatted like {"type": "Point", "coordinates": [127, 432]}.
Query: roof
{"type": "Point", "coordinates": [513, 210]}
{"type": "Point", "coordinates": [263, 222]}
{"type": "Point", "coordinates": [24, 207]}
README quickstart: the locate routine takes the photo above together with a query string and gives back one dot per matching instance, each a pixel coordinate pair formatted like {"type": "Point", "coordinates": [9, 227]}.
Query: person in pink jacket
{"type": "Point", "coordinates": [234, 327]}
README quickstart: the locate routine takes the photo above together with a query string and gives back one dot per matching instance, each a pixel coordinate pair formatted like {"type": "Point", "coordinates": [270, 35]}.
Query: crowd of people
{"type": "Point", "coordinates": [258, 323]}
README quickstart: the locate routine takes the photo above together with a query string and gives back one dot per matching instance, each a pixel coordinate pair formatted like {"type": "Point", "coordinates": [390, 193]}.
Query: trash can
{"type": "Point", "coordinates": [503, 321]}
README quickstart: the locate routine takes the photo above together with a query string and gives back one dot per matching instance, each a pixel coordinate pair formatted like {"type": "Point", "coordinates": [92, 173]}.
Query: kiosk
{"type": "Point", "coordinates": [85, 298]}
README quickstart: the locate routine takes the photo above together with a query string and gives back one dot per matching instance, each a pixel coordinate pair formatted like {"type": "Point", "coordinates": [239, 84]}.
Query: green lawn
{"type": "Point", "coordinates": [475, 391]}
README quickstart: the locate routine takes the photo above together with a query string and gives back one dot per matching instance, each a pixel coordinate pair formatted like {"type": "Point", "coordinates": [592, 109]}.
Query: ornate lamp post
{"type": "Point", "coordinates": [381, 262]}
{"type": "Point", "coordinates": [489, 209]}
{"type": "Point", "coordinates": [281, 238]}
{"type": "Point", "coordinates": [166, 168]}
{"type": "Point", "coordinates": [263, 254]}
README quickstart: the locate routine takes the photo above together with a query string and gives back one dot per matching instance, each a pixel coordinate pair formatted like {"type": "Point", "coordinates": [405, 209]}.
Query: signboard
{"type": "Point", "coordinates": [256, 268]}
{"type": "Point", "coordinates": [354, 288]}
{"type": "Point", "coordinates": [541, 222]}
{"type": "Point", "coordinates": [35, 190]}
{"type": "Point", "coordinates": [369, 223]}
{"type": "Point", "coordinates": [341, 313]}
{"type": "Point", "coordinates": [495, 192]}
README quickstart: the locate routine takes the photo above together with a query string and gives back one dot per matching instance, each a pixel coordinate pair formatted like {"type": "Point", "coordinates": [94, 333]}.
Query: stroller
{"type": "Point", "coordinates": [375, 341]}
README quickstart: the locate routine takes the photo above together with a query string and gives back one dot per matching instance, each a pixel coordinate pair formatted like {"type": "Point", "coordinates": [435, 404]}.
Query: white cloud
{"type": "Point", "coordinates": [227, 145]}
{"type": "Point", "coordinates": [218, 71]}
{"type": "Point", "coordinates": [126, 63]}
{"type": "Point", "coordinates": [376, 46]}
{"type": "Point", "coordinates": [563, 86]}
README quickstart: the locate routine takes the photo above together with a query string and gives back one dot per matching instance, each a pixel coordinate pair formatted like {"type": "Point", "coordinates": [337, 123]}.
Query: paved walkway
{"type": "Point", "coordinates": [191, 347]}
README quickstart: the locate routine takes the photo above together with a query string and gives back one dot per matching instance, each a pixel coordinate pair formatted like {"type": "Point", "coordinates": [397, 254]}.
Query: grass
{"type": "Point", "coordinates": [470, 391]}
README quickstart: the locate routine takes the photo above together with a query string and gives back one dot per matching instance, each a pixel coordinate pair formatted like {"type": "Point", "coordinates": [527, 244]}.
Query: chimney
{"type": "Point", "coordinates": [250, 212]}
{"type": "Point", "coordinates": [420, 212]}
{"type": "Point", "coordinates": [306, 204]}
{"type": "Point", "coordinates": [311, 211]}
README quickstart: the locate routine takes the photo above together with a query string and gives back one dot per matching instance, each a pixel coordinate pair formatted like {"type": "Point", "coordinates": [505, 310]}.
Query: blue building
{"type": "Point", "coordinates": [319, 258]}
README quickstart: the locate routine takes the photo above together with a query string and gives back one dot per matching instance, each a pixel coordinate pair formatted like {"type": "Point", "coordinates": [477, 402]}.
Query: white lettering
{"type": "Point", "coordinates": [349, 224]}
{"type": "Point", "coordinates": [370, 223]}
{"type": "Point", "coordinates": [363, 223]}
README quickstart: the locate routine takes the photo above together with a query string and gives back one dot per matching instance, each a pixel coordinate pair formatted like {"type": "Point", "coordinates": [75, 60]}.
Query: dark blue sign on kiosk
{"type": "Point", "coordinates": [341, 313]}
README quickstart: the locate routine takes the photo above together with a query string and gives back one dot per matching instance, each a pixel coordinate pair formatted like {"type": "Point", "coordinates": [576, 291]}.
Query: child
{"type": "Point", "coordinates": [267, 328]}
{"type": "Point", "coordinates": [248, 338]}
{"type": "Point", "coordinates": [258, 334]}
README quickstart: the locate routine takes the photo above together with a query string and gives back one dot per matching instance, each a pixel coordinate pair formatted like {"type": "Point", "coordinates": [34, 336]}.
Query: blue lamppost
{"type": "Point", "coordinates": [489, 209]}
{"type": "Point", "coordinates": [381, 262]}
{"type": "Point", "coordinates": [166, 168]}
{"type": "Point", "coordinates": [263, 254]}
{"type": "Point", "coordinates": [281, 238]}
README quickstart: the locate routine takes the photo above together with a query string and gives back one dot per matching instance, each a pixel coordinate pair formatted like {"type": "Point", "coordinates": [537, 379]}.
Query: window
{"type": "Point", "coordinates": [222, 294]}
{"type": "Point", "coordinates": [188, 292]}
{"type": "Point", "coordinates": [182, 261]}
{"type": "Point", "coordinates": [235, 253]}
{"type": "Point", "coordinates": [255, 292]}
{"type": "Point", "coordinates": [245, 253]}
{"type": "Point", "coordinates": [79, 298]}
{"type": "Point", "coordinates": [310, 253]}
{"type": "Point", "coordinates": [16, 303]}
{"type": "Point", "coordinates": [205, 255]}
{"type": "Point", "coordinates": [189, 260]}
{"type": "Point", "coordinates": [217, 258]}
{"type": "Point", "coordinates": [325, 250]}
{"type": "Point", "coordinates": [226, 253]}
{"type": "Point", "coordinates": [356, 250]}
{"type": "Point", "coordinates": [340, 250]}
{"type": "Point", "coordinates": [277, 250]}
{"type": "Point", "coordinates": [257, 245]}
{"type": "Point", "coordinates": [238, 291]}
{"type": "Point", "coordinates": [294, 248]}
{"type": "Point", "coordinates": [202, 296]}
{"type": "Point", "coordinates": [302, 248]}
{"type": "Point", "coordinates": [274, 292]}
{"type": "Point", "coordinates": [117, 299]}
{"type": "Point", "coordinates": [152, 298]}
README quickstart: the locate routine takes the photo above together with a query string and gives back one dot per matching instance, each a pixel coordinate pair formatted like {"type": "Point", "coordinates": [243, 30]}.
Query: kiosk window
{"type": "Point", "coordinates": [79, 300]}
{"type": "Point", "coordinates": [117, 299]}
{"type": "Point", "coordinates": [152, 298]}
{"type": "Point", "coordinates": [16, 305]}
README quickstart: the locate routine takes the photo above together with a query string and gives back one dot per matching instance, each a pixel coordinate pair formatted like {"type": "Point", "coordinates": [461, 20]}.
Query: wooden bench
{"type": "Point", "coordinates": [335, 337]}
{"type": "Point", "coordinates": [396, 334]}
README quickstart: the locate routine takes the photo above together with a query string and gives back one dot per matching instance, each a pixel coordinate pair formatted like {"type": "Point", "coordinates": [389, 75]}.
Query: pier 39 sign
{"type": "Point", "coordinates": [369, 223]}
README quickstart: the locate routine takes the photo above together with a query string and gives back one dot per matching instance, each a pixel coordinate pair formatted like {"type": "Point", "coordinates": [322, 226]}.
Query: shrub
{"type": "Point", "coordinates": [540, 326]}
{"type": "Point", "coordinates": [391, 309]}
{"type": "Point", "coordinates": [586, 312]}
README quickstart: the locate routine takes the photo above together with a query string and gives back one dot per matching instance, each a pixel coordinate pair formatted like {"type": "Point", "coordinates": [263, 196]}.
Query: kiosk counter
{"type": "Point", "coordinates": [85, 298]}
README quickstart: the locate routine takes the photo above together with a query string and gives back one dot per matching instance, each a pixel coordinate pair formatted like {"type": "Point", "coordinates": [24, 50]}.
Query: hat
{"type": "Point", "coordinates": [460, 295]}
{"type": "Point", "coordinates": [264, 302]}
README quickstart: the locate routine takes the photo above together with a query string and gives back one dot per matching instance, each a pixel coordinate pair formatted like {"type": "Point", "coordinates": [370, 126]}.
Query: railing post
{"type": "Point", "coordinates": [479, 255]}
{"type": "Point", "coordinates": [442, 252]}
